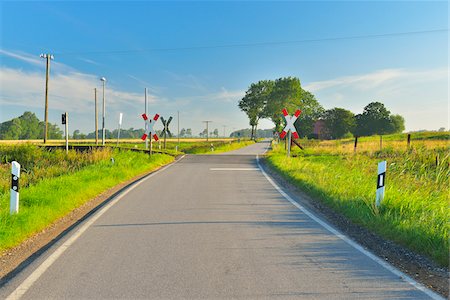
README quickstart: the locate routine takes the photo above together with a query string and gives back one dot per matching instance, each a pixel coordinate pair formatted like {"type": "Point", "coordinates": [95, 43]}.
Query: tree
{"type": "Point", "coordinates": [189, 132]}
{"type": "Point", "coordinates": [286, 93]}
{"type": "Point", "coordinates": [76, 134]}
{"type": "Point", "coordinates": [182, 132]}
{"type": "Point", "coordinates": [311, 111]}
{"type": "Point", "coordinates": [255, 100]}
{"type": "Point", "coordinates": [216, 132]}
{"type": "Point", "coordinates": [338, 122]}
{"type": "Point", "coordinates": [397, 124]}
{"type": "Point", "coordinates": [203, 133]}
{"type": "Point", "coordinates": [376, 119]}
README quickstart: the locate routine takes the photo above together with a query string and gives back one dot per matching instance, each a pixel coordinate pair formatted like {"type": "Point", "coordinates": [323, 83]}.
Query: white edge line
{"type": "Point", "coordinates": [358, 247]}
{"type": "Point", "coordinates": [33, 277]}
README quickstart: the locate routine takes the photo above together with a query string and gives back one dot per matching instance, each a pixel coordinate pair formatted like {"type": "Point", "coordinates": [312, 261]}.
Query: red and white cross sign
{"type": "Point", "coordinates": [150, 132]}
{"type": "Point", "coordinates": [290, 123]}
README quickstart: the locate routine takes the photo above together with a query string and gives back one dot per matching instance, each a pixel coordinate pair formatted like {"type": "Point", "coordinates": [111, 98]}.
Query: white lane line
{"type": "Point", "coordinates": [358, 247]}
{"type": "Point", "coordinates": [27, 283]}
{"type": "Point", "coordinates": [233, 169]}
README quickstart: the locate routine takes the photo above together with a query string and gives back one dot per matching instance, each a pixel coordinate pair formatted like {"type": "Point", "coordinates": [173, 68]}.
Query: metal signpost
{"type": "Point", "coordinates": [118, 130]}
{"type": "Point", "coordinates": [149, 131]}
{"type": "Point", "coordinates": [380, 182]}
{"type": "Point", "coordinates": [290, 128]}
{"type": "Point", "coordinates": [166, 130]}
{"type": "Point", "coordinates": [65, 121]}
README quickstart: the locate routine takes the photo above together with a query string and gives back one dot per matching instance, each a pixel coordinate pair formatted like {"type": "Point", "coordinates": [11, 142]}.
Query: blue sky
{"type": "Point", "coordinates": [200, 57]}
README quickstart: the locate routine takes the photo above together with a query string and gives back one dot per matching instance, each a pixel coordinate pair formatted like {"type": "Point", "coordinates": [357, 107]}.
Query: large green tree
{"type": "Point", "coordinates": [254, 102]}
{"type": "Point", "coordinates": [286, 93]}
{"type": "Point", "coordinates": [338, 122]}
{"type": "Point", "coordinates": [376, 119]}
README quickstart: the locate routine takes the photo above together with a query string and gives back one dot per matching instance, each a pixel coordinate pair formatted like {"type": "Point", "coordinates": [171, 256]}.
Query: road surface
{"type": "Point", "coordinates": [207, 227]}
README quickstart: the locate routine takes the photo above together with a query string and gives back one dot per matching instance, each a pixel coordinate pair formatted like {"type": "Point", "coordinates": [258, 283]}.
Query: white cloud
{"type": "Point", "coordinates": [381, 78]}
{"type": "Point", "coordinates": [223, 95]}
{"type": "Point", "coordinates": [71, 92]}
{"type": "Point", "coordinates": [25, 57]}
{"type": "Point", "coordinates": [404, 92]}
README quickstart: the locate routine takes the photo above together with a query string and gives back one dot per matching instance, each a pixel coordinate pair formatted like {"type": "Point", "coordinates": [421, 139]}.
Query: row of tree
{"type": "Point", "coordinates": [375, 119]}
{"type": "Point", "coordinates": [267, 98]}
{"type": "Point", "coordinates": [28, 127]}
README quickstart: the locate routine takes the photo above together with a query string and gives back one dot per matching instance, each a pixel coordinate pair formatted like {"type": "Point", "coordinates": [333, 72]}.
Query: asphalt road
{"type": "Point", "coordinates": [209, 226]}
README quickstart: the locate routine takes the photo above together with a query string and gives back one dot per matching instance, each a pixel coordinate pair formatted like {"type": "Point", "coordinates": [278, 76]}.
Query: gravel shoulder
{"type": "Point", "coordinates": [416, 266]}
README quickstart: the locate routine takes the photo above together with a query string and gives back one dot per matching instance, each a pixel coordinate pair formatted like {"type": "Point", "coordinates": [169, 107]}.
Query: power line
{"type": "Point", "coordinates": [355, 37]}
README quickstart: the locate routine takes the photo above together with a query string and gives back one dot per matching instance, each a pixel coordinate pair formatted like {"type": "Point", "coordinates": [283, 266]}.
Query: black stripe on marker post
{"type": "Point", "coordinates": [381, 180]}
{"type": "Point", "coordinates": [14, 183]}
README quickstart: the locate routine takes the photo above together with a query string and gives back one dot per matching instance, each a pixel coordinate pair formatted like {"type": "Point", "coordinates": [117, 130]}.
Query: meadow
{"type": "Point", "coordinates": [415, 211]}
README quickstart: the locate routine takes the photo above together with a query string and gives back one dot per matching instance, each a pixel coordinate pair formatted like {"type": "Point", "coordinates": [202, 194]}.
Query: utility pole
{"type": "Point", "coordinates": [207, 128]}
{"type": "Point", "coordinates": [103, 79]}
{"type": "Point", "coordinates": [96, 117]}
{"type": "Point", "coordinates": [178, 120]}
{"type": "Point", "coordinates": [48, 57]}
{"type": "Point", "coordinates": [145, 110]}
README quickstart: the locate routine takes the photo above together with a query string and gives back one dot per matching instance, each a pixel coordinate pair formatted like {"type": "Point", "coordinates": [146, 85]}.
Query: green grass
{"type": "Point", "coordinates": [415, 210]}
{"type": "Point", "coordinates": [195, 147]}
{"type": "Point", "coordinates": [65, 185]}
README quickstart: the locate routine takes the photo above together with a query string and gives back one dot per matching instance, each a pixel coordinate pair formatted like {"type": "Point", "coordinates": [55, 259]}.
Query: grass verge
{"type": "Point", "coordinates": [47, 199]}
{"type": "Point", "coordinates": [415, 210]}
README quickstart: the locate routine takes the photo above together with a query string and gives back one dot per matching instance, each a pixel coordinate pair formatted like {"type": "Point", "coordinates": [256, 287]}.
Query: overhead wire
{"type": "Point", "coordinates": [256, 44]}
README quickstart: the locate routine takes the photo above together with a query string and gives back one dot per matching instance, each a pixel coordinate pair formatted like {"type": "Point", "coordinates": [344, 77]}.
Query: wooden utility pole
{"type": "Point", "coordinates": [48, 57]}
{"type": "Point", "coordinates": [207, 129]}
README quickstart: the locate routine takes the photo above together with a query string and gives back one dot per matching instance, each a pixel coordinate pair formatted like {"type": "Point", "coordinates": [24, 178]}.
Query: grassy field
{"type": "Point", "coordinates": [52, 184]}
{"type": "Point", "coordinates": [415, 212]}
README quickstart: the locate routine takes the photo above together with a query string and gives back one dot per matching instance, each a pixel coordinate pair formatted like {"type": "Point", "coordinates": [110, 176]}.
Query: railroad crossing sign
{"type": "Point", "coordinates": [290, 120]}
{"type": "Point", "coordinates": [166, 130]}
{"type": "Point", "coordinates": [150, 132]}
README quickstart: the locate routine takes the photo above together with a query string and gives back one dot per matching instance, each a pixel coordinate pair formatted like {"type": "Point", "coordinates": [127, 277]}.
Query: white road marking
{"type": "Point", "coordinates": [233, 169]}
{"type": "Point", "coordinates": [358, 247]}
{"type": "Point", "coordinates": [27, 283]}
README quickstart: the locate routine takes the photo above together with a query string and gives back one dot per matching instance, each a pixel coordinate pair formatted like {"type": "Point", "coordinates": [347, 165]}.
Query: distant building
{"type": "Point", "coordinates": [320, 130]}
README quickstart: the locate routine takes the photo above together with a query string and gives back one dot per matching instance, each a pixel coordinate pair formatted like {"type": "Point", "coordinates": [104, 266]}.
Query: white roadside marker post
{"type": "Point", "coordinates": [15, 175]}
{"type": "Point", "coordinates": [380, 182]}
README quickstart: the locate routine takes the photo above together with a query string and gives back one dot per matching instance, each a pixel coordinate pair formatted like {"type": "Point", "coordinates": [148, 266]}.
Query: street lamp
{"type": "Point", "coordinates": [103, 79]}
{"type": "Point", "coordinates": [48, 57]}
